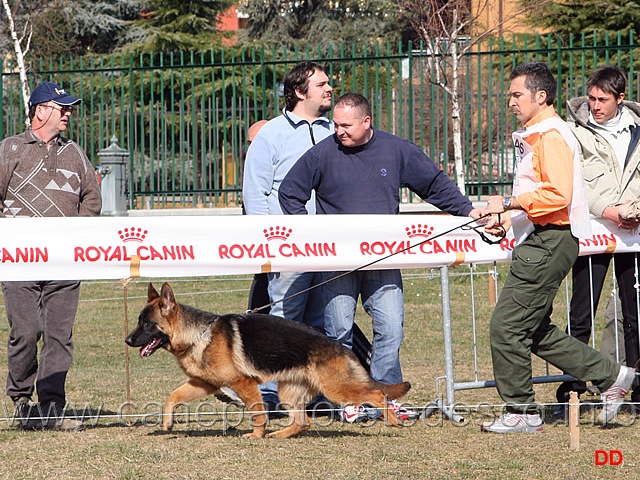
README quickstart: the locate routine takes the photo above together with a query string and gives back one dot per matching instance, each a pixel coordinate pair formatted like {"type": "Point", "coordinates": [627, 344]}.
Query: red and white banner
{"type": "Point", "coordinates": [186, 246]}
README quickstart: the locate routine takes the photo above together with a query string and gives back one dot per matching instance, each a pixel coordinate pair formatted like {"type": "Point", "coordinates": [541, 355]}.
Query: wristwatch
{"type": "Point", "coordinates": [506, 203]}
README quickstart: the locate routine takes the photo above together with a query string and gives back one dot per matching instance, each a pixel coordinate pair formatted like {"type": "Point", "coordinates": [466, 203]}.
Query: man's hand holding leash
{"type": "Point", "coordinates": [481, 214]}
{"type": "Point", "coordinates": [500, 222]}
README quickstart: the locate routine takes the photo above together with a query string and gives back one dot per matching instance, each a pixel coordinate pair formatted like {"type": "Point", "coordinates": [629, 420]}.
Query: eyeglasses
{"type": "Point", "coordinates": [63, 108]}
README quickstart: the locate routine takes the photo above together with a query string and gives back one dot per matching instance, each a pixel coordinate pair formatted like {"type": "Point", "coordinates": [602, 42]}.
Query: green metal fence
{"type": "Point", "coordinates": [183, 117]}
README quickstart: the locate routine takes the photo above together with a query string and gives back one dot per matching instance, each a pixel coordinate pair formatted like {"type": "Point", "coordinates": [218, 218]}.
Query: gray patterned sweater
{"type": "Point", "coordinates": [40, 182]}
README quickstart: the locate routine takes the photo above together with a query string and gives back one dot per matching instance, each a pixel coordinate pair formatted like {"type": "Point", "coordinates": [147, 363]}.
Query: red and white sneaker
{"type": "Point", "coordinates": [403, 413]}
{"type": "Point", "coordinates": [359, 413]}
{"type": "Point", "coordinates": [514, 423]}
{"type": "Point", "coordinates": [613, 397]}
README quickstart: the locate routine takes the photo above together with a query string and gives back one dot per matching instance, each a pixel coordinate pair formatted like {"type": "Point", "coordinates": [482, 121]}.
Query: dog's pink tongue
{"type": "Point", "coordinates": [149, 348]}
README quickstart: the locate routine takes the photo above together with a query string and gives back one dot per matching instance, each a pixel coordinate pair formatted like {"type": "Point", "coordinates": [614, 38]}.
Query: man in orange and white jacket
{"type": "Point", "coordinates": [548, 211]}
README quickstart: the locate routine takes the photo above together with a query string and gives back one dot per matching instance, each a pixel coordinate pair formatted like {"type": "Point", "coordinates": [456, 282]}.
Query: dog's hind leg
{"type": "Point", "coordinates": [247, 390]}
{"type": "Point", "coordinates": [187, 392]}
{"type": "Point", "coordinates": [294, 397]}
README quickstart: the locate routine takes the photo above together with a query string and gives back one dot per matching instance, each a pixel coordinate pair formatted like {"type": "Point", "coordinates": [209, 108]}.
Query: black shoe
{"type": "Point", "coordinates": [559, 414]}
{"type": "Point", "coordinates": [227, 395]}
{"type": "Point", "coordinates": [48, 417]}
{"type": "Point", "coordinates": [64, 425]}
{"type": "Point", "coordinates": [562, 393]}
{"type": "Point", "coordinates": [321, 407]}
{"type": "Point", "coordinates": [23, 411]}
{"type": "Point", "coordinates": [274, 410]}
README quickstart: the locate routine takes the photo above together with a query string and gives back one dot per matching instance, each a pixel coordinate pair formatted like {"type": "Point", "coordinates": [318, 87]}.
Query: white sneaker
{"type": "Point", "coordinates": [613, 397]}
{"type": "Point", "coordinates": [514, 423]}
{"type": "Point", "coordinates": [359, 413]}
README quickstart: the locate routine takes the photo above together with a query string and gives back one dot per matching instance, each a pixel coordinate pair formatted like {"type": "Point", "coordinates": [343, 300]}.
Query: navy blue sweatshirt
{"type": "Point", "coordinates": [367, 179]}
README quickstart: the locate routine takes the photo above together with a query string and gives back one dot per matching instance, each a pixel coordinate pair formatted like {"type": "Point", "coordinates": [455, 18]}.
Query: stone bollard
{"type": "Point", "coordinates": [113, 185]}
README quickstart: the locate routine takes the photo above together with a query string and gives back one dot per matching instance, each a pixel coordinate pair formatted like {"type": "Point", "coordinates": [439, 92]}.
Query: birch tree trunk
{"type": "Point", "coordinates": [17, 46]}
{"type": "Point", "coordinates": [455, 108]}
{"type": "Point", "coordinates": [440, 23]}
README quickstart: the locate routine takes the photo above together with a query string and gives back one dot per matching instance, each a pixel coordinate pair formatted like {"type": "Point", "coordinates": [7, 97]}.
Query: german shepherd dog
{"type": "Point", "coordinates": [241, 351]}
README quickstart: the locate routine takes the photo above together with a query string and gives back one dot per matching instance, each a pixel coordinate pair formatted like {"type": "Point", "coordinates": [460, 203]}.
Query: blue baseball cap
{"type": "Point", "coordinates": [47, 91]}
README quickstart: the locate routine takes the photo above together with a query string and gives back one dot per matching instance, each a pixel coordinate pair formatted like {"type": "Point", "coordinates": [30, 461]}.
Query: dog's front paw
{"type": "Point", "coordinates": [254, 434]}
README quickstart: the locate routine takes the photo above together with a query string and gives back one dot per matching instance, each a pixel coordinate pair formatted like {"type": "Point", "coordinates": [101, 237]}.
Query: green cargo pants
{"type": "Point", "coordinates": [521, 322]}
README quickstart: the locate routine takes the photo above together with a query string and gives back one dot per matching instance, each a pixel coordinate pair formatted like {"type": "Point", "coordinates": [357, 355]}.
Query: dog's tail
{"type": "Point", "coordinates": [394, 391]}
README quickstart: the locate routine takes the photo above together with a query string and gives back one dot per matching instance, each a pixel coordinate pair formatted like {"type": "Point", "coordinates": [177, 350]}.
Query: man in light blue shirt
{"type": "Point", "coordinates": [283, 140]}
{"type": "Point", "coordinates": [274, 150]}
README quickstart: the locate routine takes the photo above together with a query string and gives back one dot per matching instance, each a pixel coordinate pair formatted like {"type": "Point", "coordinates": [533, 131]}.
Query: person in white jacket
{"type": "Point", "coordinates": [608, 130]}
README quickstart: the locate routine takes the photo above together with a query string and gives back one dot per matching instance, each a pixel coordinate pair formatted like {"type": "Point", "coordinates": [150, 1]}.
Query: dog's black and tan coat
{"type": "Point", "coordinates": [243, 351]}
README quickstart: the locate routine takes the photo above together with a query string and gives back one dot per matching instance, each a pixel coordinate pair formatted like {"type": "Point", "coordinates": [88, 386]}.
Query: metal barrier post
{"type": "Point", "coordinates": [447, 332]}
{"type": "Point", "coordinates": [447, 408]}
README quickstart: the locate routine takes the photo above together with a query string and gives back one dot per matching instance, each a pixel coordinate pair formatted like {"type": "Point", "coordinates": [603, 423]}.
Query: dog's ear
{"type": "Point", "coordinates": [168, 300]}
{"type": "Point", "coordinates": [152, 293]}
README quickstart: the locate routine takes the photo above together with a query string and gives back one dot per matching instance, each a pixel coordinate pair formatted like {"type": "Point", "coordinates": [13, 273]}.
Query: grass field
{"type": "Point", "coordinates": [124, 441]}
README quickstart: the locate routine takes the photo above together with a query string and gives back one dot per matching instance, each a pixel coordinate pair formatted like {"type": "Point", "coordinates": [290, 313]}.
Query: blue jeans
{"type": "Point", "coordinates": [381, 293]}
{"type": "Point", "coordinates": [305, 308]}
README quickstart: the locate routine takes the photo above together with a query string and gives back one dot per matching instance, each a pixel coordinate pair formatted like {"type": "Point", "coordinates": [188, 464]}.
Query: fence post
{"type": "Point", "coordinates": [113, 179]}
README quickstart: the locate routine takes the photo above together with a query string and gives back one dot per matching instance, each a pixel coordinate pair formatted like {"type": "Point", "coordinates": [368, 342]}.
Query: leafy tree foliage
{"type": "Point", "coordinates": [100, 27]}
{"type": "Point", "coordinates": [576, 16]}
{"type": "Point", "coordinates": [170, 25]}
{"type": "Point", "coordinates": [322, 22]}
{"type": "Point", "coordinates": [79, 27]}
{"type": "Point", "coordinates": [74, 27]}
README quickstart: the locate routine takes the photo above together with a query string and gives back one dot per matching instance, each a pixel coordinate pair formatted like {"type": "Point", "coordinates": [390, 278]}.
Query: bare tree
{"type": "Point", "coordinates": [20, 54]}
{"type": "Point", "coordinates": [449, 29]}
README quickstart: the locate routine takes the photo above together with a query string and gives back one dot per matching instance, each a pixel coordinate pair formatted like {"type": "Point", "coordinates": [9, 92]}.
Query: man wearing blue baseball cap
{"type": "Point", "coordinates": [50, 92]}
{"type": "Point", "coordinates": [43, 174]}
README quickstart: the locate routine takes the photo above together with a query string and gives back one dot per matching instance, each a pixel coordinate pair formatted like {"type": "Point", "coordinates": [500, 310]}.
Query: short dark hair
{"type": "Point", "coordinates": [355, 100]}
{"type": "Point", "coordinates": [298, 79]}
{"type": "Point", "coordinates": [538, 77]}
{"type": "Point", "coordinates": [608, 79]}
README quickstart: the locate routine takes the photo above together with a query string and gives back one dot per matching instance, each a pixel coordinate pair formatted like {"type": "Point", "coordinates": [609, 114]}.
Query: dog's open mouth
{"type": "Point", "coordinates": [151, 347]}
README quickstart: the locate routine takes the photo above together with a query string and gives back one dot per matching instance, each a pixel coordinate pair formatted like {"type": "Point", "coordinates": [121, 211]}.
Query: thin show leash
{"type": "Point", "coordinates": [464, 226]}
